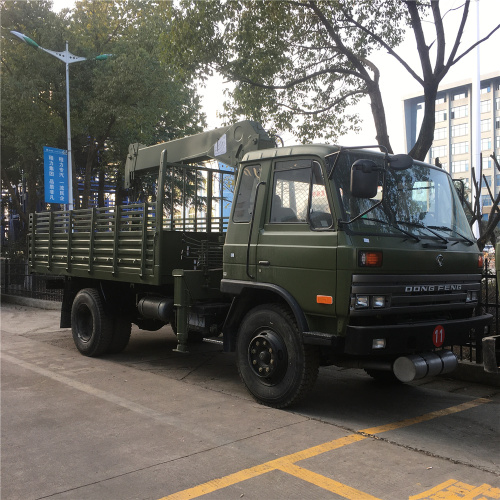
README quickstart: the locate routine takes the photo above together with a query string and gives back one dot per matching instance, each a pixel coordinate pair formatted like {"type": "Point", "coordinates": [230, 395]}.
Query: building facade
{"type": "Point", "coordinates": [453, 139]}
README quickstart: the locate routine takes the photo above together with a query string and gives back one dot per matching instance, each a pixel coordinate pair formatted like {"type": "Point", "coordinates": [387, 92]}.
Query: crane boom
{"type": "Point", "coordinates": [226, 144]}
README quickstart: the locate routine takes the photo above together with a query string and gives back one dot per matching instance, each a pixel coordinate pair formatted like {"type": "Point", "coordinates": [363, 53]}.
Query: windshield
{"type": "Point", "coordinates": [419, 201]}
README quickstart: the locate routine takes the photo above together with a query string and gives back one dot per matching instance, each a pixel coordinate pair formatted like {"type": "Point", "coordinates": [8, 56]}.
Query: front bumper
{"type": "Point", "coordinates": [413, 337]}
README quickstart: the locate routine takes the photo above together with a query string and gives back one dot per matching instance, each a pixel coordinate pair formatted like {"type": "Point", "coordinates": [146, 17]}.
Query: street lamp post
{"type": "Point", "coordinates": [67, 57]}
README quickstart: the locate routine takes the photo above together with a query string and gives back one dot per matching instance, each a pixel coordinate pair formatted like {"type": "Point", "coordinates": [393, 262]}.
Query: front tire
{"type": "Point", "coordinates": [276, 367]}
{"type": "Point", "coordinates": [92, 329]}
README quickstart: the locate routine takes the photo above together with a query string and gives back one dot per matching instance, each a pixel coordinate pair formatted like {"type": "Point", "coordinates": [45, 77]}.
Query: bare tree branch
{"type": "Point", "coordinates": [292, 83]}
{"type": "Point", "coordinates": [381, 42]}
{"type": "Point", "coordinates": [327, 108]}
{"type": "Point", "coordinates": [472, 47]}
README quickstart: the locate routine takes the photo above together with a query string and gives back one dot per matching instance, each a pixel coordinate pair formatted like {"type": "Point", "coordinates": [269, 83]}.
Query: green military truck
{"type": "Point", "coordinates": [329, 255]}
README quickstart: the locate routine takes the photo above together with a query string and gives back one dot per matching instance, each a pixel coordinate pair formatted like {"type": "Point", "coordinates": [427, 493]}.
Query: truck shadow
{"type": "Point", "coordinates": [355, 398]}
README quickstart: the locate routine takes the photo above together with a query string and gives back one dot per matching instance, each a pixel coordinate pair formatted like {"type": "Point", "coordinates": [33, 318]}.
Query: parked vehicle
{"type": "Point", "coordinates": [330, 255]}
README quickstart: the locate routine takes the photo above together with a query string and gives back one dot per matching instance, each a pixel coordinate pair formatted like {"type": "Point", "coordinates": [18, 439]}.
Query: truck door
{"type": "Point", "coordinates": [297, 243]}
{"type": "Point", "coordinates": [242, 234]}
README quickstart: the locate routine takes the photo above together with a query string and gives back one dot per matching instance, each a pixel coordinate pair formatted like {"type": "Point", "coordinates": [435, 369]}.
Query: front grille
{"type": "Point", "coordinates": [411, 294]}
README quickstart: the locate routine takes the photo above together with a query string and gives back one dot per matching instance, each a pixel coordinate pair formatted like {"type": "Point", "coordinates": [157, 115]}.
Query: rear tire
{"type": "Point", "coordinates": [92, 329]}
{"type": "Point", "coordinates": [122, 328]}
{"type": "Point", "coordinates": [276, 367]}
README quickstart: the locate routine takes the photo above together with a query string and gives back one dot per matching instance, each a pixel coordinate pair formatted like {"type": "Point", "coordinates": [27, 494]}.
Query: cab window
{"type": "Point", "coordinates": [299, 194]}
{"type": "Point", "coordinates": [245, 198]}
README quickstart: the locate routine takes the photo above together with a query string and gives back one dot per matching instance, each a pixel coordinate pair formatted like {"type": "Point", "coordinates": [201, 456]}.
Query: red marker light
{"type": "Point", "coordinates": [369, 259]}
{"type": "Point", "coordinates": [480, 260]}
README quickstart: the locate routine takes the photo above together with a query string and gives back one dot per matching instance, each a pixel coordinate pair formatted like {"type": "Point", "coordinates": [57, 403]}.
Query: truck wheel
{"type": "Point", "coordinates": [122, 328]}
{"type": "Point", "coordinates": [276, 367]}
{"type": "Point", "coordinates": [92, 328]}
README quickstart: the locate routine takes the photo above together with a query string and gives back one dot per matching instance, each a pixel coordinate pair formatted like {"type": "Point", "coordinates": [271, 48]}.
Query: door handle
{"type": "Point", "coordinates": [264, 263]}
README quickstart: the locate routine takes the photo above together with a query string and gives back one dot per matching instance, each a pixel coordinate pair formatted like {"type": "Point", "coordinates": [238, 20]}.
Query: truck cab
{"type": "Point", "coordinates": [369, 256]}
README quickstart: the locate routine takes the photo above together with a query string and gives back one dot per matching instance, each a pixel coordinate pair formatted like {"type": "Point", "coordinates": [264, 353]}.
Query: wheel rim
{"type": "Point", "coordinates": [267, 356]}
{"type": "Point", "coordinates": [84, 324]}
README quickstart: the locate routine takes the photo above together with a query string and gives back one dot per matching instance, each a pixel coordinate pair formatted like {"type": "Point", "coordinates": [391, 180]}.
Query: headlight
{"type": "Point", "coordinates": [362, 302]}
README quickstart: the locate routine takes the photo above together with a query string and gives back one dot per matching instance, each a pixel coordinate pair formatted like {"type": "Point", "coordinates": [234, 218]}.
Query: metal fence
{"type": "Point", "coordinates": [16, 280]}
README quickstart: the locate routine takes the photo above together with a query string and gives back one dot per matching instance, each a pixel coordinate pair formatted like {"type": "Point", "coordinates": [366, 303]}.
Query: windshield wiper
{"type": "Point", "coordinates": [423, 226]}
{"type": "Point", "coordinates": [449, 229]}
{"type": "Point", "coordinates": [415, 237]}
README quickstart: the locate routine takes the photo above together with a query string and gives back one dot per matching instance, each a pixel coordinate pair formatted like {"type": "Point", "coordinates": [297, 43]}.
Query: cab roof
{"type": "Point", "coordinates": [320, 150]}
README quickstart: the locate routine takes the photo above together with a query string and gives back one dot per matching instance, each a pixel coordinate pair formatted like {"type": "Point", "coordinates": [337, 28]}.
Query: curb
{"type": "Point", "coordinates": [466, 371]}
{"type": "Point", "coordinates": [471, 372]}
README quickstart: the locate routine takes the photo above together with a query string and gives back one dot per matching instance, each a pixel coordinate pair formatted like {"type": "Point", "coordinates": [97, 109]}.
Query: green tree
{"type": "Point", "coordinates": [131, 97]}
{"type": "Point", "coordinates": [29, 121]}
{"type": "Point", "coordinates": [299, 65]}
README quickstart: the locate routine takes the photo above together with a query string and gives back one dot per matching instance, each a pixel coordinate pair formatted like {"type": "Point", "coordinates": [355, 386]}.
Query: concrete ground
{"type": "Point", "coordinates": [152, 424]}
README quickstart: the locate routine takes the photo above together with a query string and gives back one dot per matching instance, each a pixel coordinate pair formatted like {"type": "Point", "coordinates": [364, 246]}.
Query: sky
{"type": "Point", "coordinates": [396, 83]}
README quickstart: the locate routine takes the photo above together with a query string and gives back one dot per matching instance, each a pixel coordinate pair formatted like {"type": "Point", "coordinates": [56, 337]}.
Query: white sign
{"type": "Point", "coordinates": [220, 147]}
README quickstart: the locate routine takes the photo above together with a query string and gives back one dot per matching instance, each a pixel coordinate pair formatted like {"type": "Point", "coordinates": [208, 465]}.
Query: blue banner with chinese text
{"type": "Point", "coordinates": [55, 163]}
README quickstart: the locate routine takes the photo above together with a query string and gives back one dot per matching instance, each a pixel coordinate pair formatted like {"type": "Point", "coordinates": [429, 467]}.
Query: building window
{"type": "Point", "coordinates": [497, 103]}
{"type": "Point", "coordinates": [460, 166]}
{"type": "Point", "coordinates": [459, 95]}
{"type": "Point", "coordinates": [438, 151]}
{"type": "Point", "coordinates": [440, 116]}
{"type": "Point", "coordinates": [487, 179]}
{"type": "Point", "coordinates": [497, 123]}
{"type": "Point", "coordinates": [486, 90]}
{"type": "Point", "coordinates": [440, 133]}
{"type": "Point", "coordinates": [460, 111]}
{"type": "Point", "coordinates": [497, 143]}
{"type": "Point", "coordinates": [441, 100]}
{"type": "Point", "coordinates": [486, 200]}
{"type": "Point", "coordinates": [485, 143]}
{"type": "Point", "coordinates": [459, 148]}
{"type": "Point", "coordinates": [458, 130]}
{"type": "Point", "coordinates": [486, 125]}
{"type": "Point", "coordinates": [485, 106]}
{"type": "Point", "coordinates": [486, 163]}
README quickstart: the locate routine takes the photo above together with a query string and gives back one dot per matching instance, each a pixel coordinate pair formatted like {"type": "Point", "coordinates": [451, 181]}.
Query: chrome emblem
{"type": "Point", "coordinates": [440, 260]}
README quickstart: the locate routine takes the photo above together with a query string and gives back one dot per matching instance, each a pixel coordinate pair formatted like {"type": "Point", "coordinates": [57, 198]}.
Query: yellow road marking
{"type": "Point", "coordinates": [424, 418]}
{"type": "Point", "coordinates": [287, 461]}
{"type": "Point", "coordinates": [432, 491]}
{"type": "Point", "coordinates": [326, 483]}
{"type": "Point", "coordinates": [453, 489]}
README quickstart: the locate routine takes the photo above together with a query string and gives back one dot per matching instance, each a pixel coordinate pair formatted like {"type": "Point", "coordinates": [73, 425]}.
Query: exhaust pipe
{"type": "Point", "coordinates": [428, 364]}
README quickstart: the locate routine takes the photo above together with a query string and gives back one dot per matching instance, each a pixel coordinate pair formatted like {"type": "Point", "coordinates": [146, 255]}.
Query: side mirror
{"type": "Point", "coordinates": [364, 178]}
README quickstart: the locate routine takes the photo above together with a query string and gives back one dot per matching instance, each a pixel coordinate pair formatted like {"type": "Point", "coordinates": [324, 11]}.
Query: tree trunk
{"type": "Point", "coordinates": [31, 189]}
{"type": "Point", "coordinates": [426, 135]}
{"type": "Point", "coordinates": [100, 192]}
{"type": "Point", "coordinates": [379, 118]}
